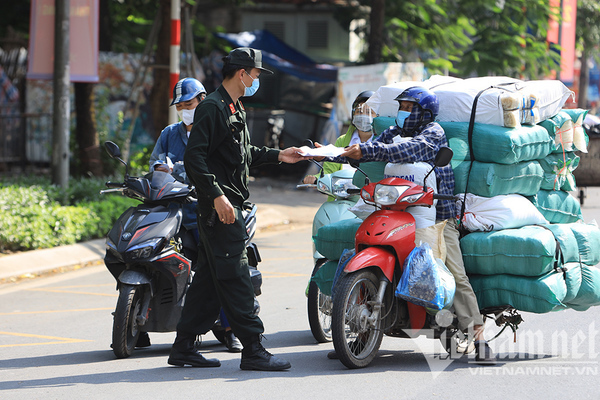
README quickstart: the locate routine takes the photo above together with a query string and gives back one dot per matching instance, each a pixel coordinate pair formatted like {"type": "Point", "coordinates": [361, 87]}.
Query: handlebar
{"type": "Point", "coordinates": [112, 190]}
{"type": "Point", "coordinates": [115, 184]}
{"type": "Point", "coordinates": [306, 185]}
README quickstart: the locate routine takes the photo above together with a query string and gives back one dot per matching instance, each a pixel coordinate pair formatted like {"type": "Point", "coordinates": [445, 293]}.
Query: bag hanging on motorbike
{"type": "Point", "coordinates": [489, 179]}
{"type": "Point", "coordinates": [332, 239]}
{"type": "Point", "coordinates": [536, 294]}
{"type": "Point", "coordinates": [425, 280]}
{"type": "Point", "coordinates": [557, 206]}
{"type": "Point", "coordinates": [589, 292]}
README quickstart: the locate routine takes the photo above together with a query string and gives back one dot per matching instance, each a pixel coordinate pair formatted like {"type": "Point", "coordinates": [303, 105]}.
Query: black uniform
{"type": "Point", "coordinates": [217, 160]}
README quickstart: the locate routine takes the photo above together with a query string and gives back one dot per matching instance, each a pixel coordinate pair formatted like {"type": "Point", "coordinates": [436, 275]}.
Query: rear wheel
{"type": "Point", "coordinates": [319, 309]}
{"type": "Point", "coordinates": [356, 337]}
{"type": "Point", "coordinates": [125, 328]}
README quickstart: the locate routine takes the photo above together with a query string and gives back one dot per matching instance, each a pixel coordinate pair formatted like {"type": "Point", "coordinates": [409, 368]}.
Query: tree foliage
{"type": "Point", "coordinates": [466, 37]}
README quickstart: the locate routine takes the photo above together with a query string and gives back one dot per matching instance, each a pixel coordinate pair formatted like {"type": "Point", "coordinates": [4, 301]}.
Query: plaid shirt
{"type": "Point", "coordinates": [423, 146]}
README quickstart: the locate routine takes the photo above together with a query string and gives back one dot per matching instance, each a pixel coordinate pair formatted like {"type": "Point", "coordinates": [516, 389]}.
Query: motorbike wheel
{"type": "Point", "coordinates": [319, 309]}
{"type": "Point", "coordinates": [125, 327]}
{"type": "Point", "coordinates": [356, 341]}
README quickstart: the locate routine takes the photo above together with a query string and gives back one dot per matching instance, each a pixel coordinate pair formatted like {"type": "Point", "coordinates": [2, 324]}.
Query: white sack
{"type": "Point", "coordinates": [498, 212]}
{"type": "Point", "coordinates": [456, 98]}
{"type": "Point", "coordinates": [539, 100]}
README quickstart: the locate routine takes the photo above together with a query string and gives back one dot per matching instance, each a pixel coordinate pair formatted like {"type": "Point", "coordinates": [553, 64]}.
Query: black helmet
{"type": "Point", "coordinates": [362, 97]}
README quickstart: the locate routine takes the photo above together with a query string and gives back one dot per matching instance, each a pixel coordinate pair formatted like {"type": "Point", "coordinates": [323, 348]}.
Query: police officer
{"type": "Point", "coordinates": [217, 160]}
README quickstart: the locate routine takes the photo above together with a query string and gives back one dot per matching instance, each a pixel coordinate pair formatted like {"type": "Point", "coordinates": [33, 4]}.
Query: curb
{"type": "Point", "coordinates": [44, 262]}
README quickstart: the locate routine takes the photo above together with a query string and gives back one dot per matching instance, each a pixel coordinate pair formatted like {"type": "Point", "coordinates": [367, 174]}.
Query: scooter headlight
{"type": "Point", "coordinates": [340, 186]}
{"type": "Point", "coordinates": [387, 195]}
{"type": "Point", "coordinates": [144, 249]}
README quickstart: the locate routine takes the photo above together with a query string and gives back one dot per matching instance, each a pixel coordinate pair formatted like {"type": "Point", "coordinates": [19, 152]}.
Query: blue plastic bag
{"type": "Point", "coordinates": [425, 280]}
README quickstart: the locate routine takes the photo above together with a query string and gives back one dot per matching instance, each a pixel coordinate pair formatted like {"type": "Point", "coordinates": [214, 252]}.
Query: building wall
{"type": "Point", "coordinates": [314, 33]}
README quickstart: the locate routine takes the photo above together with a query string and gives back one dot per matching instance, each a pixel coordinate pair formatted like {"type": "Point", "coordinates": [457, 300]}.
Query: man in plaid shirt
{"type": "Point", "coordinates": [418, 138]}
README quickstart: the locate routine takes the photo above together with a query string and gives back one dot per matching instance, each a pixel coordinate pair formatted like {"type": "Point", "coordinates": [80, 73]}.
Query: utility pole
{"type": "Point", "coordinates": [61, 102]}
{"type": "Point", "coordinates": [174, 53]}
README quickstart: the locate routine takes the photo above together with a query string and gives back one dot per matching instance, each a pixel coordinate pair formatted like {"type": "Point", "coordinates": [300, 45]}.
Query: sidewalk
{"type": "Point", "coordinates": [279, 204]}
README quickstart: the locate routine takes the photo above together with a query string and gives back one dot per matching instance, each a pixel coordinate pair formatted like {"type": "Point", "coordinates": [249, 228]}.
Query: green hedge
{"type": "Point", "coordinates": [35, 214]}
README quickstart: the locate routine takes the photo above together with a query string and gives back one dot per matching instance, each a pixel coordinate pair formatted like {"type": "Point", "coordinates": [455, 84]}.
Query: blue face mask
{"type": "Point", "coordinates": [252, 89]}
{"type": "Point", "coordinates": [402, 115]}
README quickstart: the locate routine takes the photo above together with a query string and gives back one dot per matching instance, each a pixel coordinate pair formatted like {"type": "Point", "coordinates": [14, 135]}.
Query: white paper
{"type": "Point", "coordinates": [325, 151]}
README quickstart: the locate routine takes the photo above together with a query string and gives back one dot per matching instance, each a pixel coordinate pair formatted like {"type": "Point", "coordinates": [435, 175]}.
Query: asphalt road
{"type": "Point", "coordinates": [55, 334]}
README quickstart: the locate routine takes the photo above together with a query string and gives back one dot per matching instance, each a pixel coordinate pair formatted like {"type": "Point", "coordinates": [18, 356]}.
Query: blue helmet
{"type": "Point", "coordinates": [425, 98]}
{"type": "Point", "coordinates": [186, 89]}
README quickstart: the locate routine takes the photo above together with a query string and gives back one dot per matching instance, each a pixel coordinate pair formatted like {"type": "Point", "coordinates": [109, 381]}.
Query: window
{"type": "Point", "coordinates": [317, 35]}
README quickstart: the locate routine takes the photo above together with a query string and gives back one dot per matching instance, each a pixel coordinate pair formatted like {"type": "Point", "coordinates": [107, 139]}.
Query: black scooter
{"type": "Point", "coordinates": [149, 252]}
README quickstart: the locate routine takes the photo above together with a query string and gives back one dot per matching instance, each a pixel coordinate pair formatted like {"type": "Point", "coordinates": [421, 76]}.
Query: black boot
{"type": "Point", "coordinates": [143, 340]}
{"type": "Point", "coordinates": [233, 344]}
{"type": "Point", "coordinates": [255, 357]}
{"type": "Point", "coordinates": [183, 353]}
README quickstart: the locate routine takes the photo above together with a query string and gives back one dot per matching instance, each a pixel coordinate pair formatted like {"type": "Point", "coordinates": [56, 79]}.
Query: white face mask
{"type": "Point", "coordinates": [187, 116]}
{"type": "Point", "coordinates": [363, 122]}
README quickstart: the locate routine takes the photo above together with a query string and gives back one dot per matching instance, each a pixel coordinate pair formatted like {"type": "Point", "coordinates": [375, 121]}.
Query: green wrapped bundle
{"type": "Point", "coordinates": [324, 276]}
{"type": "Point", "coordinates": [331, 240]}
{"type": "Point", "coordinates": [588, 242]}
{"type": "Point", "coordinates": [489, 180]}
{"type": "Point", "coordinates": [558, 171]}
{"type": "Point", "coordinates": [540, 294]}
{"type": "Point", "coordinates": [373, 169]}
{"type": "Point", "coordinates": [580, 139]}
{"type": "Point", "coordinates": [573, 278]}
{"type": "Point", "coordinates": [497, 144]}
{"type": "Point", "coordinates": [557, 207]}
{"type": "Point", "coordinates": [589, 292]}
{"type": "Point", "coordinates": [560, 129]}
{"type": "Point", "coordinates": [526, 251]}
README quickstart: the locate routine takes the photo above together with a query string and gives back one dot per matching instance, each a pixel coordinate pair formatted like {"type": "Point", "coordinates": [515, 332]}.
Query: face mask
{"type": "Point", "coordinates": [402, 115]}
{"type": "Point", "coordinates": [252, 89]}
{"type": "Point", "coordinates": [362, 122]}
{"type": "Point", "coordinates": [187, 116]}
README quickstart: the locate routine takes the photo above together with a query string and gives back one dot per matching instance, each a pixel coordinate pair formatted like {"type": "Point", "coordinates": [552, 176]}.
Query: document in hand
{"type": "Point", "coordinates": [325, 151]}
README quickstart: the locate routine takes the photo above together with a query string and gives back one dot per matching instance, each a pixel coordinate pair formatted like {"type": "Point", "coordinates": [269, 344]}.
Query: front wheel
{"type": "Point", "coordinates": [356, 335]}
{"type": "Point", "coordinates": [319, 309]}
{"type": "Point", "coordinates": [125, 327]}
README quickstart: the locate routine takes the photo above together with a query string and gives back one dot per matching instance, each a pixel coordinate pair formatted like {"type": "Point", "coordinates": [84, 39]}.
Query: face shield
{"type": "Point", "coordinates": [362, 117]}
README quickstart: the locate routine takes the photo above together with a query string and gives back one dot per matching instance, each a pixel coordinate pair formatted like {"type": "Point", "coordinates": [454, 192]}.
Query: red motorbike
{"type": "Point", "coordinates": [364, 305]}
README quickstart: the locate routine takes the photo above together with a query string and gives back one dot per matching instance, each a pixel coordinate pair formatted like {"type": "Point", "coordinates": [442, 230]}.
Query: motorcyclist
{"type": "Point", "coordinates": [359, 131]}
{"type": "Point", "coordinates": [167, 156]}
{"type": "Point", "coordinates": [418, 108]}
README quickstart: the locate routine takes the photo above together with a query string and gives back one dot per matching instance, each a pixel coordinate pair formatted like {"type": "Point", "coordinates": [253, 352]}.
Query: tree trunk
{"type": "Point", "coordinates": [377, 20]}
{"type": "Point", "coordinates": [584, 80]}
{"type": "Point", "coordinates": [159, 96]}
{"type": "Point", "coordinates": [85, 130]}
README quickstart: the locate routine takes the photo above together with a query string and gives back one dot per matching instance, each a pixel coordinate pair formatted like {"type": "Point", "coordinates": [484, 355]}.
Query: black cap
{"type": "Point", "coordinates": [247, 57]}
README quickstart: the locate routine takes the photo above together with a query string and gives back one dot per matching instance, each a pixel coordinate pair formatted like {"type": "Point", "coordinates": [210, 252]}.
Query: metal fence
{"type": "Point", "coordinates": [25, 137]}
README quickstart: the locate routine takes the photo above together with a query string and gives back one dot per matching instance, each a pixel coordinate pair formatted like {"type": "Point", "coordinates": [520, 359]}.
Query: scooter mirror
{"type": "Point", "coordinates": [112, 149]}
{"type": "Point", "coordinates": [443, 157]}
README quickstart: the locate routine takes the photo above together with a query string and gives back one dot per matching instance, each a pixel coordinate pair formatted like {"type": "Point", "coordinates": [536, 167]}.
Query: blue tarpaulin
{"type": "Point", "coordinates": [282, 57]}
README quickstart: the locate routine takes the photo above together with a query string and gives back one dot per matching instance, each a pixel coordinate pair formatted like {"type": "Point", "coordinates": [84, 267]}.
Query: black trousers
{"type": "Point", "coordinates": [221, 280]}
